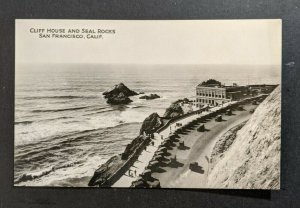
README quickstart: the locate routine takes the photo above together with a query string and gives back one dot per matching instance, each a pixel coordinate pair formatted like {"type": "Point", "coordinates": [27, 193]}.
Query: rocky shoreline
{"type": "Point", "coordinates": [116, 166]}
{"type": "Point", "coordinates": [110, 172]}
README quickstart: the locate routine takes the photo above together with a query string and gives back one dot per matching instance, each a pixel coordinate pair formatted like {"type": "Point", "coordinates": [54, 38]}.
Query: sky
{"type": "Point", "coordinates": [197, 42]}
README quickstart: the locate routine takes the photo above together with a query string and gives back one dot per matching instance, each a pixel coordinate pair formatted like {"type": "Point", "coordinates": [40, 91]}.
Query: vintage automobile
{"type": "Point", "coordinates": [228, 112]}
{"type": "Point", "coordinates": [218, 118]}
{"type": "Point", "coordinates": [240, 108]}
{"type": "Point", "coordinates": [201, 128]}
{"type": "Point", "coordinates": [146, 174]}
{"type": "Point", "coordinates": [254, 102]}
{"type": "Point", "coordinates": [193, 165]}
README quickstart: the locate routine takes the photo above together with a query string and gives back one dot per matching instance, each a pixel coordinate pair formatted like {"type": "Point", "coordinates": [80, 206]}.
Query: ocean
{"type": "Point", "coordinates": [64, 129]}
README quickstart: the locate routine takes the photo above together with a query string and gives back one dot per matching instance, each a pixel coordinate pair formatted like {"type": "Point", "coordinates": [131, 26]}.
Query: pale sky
{"type": "Point", "coordinates": [241, 42]}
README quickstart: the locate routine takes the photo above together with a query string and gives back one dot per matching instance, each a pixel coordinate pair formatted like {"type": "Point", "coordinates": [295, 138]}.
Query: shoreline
{"type": "Point", "coordinates": [109, 177]}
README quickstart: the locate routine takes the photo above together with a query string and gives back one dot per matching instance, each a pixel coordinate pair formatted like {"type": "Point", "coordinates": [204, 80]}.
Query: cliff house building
{"type": "Point", "coordinates": [213, 93]}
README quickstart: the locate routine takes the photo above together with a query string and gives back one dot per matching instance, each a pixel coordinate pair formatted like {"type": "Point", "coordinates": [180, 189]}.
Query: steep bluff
{"type": "Point", "coordinates": [253, 159]}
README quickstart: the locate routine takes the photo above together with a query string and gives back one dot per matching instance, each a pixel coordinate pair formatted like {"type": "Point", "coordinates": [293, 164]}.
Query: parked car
{"type": "Point", "coordinates": [254, 102]}
{"type": "Point", "coordinates": [240, 108]}
{"type": "Point", "coordinates": [193, 165]}
{"type": "Point", "coordinates": [218, 118]}
{"type": "Point", "coordinates": [201, 128]}
{"type": "Point", "coordinates": [228, 112]}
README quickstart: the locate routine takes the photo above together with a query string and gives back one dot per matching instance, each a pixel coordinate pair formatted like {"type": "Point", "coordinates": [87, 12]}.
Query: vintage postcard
{"type": "Point", "coordinates": [148, 103]}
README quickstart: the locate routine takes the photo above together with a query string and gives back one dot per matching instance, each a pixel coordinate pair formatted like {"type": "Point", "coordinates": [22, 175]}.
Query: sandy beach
{"type": "Point", "coordinates": [198, 146]}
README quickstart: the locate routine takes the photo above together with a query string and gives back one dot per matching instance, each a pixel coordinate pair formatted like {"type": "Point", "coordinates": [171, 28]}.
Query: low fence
{"type": "Point", "coordinates": [176, 119]}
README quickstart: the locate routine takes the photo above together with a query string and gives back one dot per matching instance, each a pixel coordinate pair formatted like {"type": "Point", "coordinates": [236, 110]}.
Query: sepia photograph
{"type": "Point", "coordinates": [193, 104]}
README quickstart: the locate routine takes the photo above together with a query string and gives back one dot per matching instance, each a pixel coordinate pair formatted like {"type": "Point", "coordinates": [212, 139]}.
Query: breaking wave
{"type": "Point", "coordinates": [34, 175]}
{"type": "Point", "coordinates": [57, 97]}
{"type": "Point", "coordinates": [58, 110]}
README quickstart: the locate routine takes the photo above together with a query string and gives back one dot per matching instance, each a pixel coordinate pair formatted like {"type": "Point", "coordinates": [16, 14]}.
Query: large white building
{"type": "Point", "coordinates": [210, 95]}
{"type": "Point", "coordinates": [215, 94]}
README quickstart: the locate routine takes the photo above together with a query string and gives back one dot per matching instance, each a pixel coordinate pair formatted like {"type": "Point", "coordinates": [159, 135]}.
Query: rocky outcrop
{"type": "Point", "coordinates": [174, 110]}
{"type": "Point", "coordinates": [150, 97]}
{"type": "Point", "coordinates": [115, 167]}
{"type": "Point", "coordinates": [151, 124]}
{"type": "Point", "coordinates": [109, 172]}
{"type": "Point", "coordinates": [118, 99]}
{"type": "Point", "coordinates": [252, 161]}
{"type": "Point", "coordinates": [133, 146]}
{"type": "Point", "coordinates": [106, 170]}
{"type": "Point", "coordinates": [119, 95]}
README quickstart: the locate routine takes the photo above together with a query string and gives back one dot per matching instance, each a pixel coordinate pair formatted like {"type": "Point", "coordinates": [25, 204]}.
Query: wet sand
{"type": "Point", "coordinates": [197, 146]}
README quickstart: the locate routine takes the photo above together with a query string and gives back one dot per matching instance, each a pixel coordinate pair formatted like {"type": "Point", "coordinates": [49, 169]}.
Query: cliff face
{"type": "Point", "coordinates": [253, 160]}
{"type": "Point", "coordinates": [151, 124]}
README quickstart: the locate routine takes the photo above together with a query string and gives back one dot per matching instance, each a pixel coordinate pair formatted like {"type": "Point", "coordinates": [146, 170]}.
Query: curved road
{"type": "Point", "coordinates": [199, 145]}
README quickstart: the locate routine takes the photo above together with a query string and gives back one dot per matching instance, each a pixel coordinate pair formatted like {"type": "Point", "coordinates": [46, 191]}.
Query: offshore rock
{"type": "Point", "coordinates": [119, 94]}
{"type": "Point", "coordinates": [118, 99]}
{"type": "Point", "coordinates": [150, 97]}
